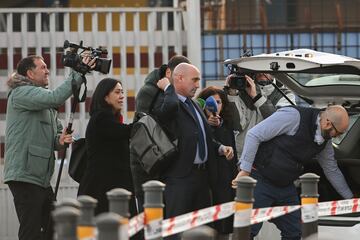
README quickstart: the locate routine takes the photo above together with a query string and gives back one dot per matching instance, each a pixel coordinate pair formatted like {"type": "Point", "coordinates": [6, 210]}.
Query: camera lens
{"type": "Point", "coordinates": [103, 65]}
{"type": "Point", "coordinates": [238, 81]}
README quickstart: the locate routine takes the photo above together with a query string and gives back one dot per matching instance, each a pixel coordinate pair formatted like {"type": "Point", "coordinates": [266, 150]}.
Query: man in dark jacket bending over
{"type": "Point", "coordinates": [275, 151]}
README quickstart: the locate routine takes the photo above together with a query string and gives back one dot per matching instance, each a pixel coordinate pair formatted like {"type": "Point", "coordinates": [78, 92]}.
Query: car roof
{"type": "Point", "coordinates": [299, 60]}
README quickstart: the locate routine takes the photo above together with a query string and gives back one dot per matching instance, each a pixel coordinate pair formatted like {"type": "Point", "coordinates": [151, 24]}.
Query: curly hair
{"type": "Point", "coordinates": [26, 64]}
{"type": "Point", "coordinates": [225, 113]}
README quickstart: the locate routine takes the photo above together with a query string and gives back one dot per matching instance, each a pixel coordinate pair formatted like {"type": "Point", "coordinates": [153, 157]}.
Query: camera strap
{"type": "Point", "coordinates": [76, 91]}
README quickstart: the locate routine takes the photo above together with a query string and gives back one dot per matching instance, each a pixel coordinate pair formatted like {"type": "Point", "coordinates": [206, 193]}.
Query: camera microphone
{"type": "Point", "coordinates": [211, 105]}
{"type": "Point", "coordinates": [103, 50]}
{"type": "Point", "coordinates": [68, 44]}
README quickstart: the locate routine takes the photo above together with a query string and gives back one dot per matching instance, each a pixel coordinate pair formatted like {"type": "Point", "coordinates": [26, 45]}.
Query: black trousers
{"type": "Point", "coordinates": [183, 195]}
{"type": "Point", "coordinates": [33, 206]}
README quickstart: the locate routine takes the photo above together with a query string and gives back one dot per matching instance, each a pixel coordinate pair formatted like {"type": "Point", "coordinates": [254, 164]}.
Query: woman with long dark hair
{"type": "Point", "coordinates": [107, 145]}
{"type": "Point", "coordinates": [222, 127]}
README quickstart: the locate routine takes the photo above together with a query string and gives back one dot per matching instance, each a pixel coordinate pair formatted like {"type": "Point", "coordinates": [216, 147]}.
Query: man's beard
{"type": "Point", "coordinates": [326, 134]}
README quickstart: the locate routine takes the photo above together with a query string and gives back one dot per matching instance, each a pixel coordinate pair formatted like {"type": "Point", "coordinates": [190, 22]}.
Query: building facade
{"type": "Point", "coordinates": [229, 27]}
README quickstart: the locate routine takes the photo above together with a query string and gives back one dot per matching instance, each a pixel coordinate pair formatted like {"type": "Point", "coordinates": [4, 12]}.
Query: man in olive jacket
{"type": "Point", "coordinates": [33, 132]}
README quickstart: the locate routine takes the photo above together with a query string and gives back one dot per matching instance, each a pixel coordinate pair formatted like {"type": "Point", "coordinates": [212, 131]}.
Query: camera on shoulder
{"type": "Point", "coordinates": [237, 79]}
{"type": "Point", "coordinates": [73, 58]}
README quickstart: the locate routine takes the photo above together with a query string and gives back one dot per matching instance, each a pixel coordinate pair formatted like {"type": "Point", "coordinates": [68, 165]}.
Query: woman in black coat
{"type": "Point", "coordinates": [222, 128]}
{"type": "Point", "coordinates": [107, 145]}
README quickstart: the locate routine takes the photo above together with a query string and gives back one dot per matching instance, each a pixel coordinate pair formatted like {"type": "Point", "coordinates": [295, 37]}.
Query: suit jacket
{"type": "Point", "coordinates": [165, 103]}
{"type": "Point", "coordinates": [182, 124]}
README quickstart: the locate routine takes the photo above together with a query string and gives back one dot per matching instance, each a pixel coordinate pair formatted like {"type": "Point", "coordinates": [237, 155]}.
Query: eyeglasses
{"type": "Point", "coordinates": [333, 126]}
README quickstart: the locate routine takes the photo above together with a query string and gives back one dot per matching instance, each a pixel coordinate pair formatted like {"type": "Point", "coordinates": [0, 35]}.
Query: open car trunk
{"type": "Point", "coordinates": [319, 80]}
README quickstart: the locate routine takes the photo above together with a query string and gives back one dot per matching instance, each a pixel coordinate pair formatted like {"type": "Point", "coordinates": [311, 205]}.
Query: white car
{"type": "Point", "coordinates": [320, 79]}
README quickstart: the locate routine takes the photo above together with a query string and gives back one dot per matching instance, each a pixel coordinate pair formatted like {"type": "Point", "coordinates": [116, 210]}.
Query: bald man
{"type": "Point", "coordinates": [187, 178]}
{"type": "Point", "coordinates": [275, 151]}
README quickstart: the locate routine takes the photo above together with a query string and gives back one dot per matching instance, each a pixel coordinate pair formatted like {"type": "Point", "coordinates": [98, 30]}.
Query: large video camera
{"type": "Point", "coordinates": [237, 78]}
{"type": "Point", "coordinates": [73, 59]}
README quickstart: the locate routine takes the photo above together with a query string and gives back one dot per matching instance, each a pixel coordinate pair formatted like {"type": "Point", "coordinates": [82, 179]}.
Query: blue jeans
{"type": "Point", "coordinates": [269, 195]}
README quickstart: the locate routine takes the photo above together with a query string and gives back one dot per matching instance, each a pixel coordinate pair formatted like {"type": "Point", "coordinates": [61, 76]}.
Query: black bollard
{"type": "Point", "coordinates": [309, 200]}
{"type": "Point", "coordinates": [243, 206]}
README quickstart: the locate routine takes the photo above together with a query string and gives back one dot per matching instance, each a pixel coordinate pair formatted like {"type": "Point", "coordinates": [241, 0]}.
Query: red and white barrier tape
{"type": "Point", "coordinates": [190, 220]}
{"type": "Point", "coordinates": [136, 224]}
{"type": "Point", "coordinates": [264, 214]}
{"type": "Point", "coordinates": [309, 213]}
{"type": "Point", "coordinates": [203, 216]}
{"type": "Point", "coordinates": [339, 207]}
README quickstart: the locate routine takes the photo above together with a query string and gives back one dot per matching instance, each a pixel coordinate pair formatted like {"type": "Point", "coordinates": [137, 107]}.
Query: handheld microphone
{"type": "Point", "coordinates": [211, 105]}
{"type": "Point", "coordinates": [201, 103]}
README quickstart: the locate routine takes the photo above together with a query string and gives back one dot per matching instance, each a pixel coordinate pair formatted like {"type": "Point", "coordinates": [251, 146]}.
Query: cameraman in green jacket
{"type": "Point", "coordinates": [33, 133]}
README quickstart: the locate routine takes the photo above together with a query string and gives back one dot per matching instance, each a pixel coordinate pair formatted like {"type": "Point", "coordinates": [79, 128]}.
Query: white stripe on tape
{"type": "Point", "coordinates": [136, 224]}
{"type": "Point", "coordinates": [309, 213]}
{"type": "Point", "coordinates": [88, 238]}
{"type": "Point", "coordinates": [242, 218]}
{"type": "Point", "coordinates": [153, 229]}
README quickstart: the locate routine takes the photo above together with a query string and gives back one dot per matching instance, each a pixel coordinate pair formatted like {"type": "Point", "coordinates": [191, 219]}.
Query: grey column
{"type": "Point", "coordinates": [87, 207]}
{"type": "Point", "coordinates": [108, 226]}
{"type": "Point", "coordinates": [68, 202]}
{"type": "Point", "coordinates": [309, 199]}
{"type": "Point", "coordinates": [243, 207]}
{"type": "Point", "coordinates": [86, 224]}
{"type": "Point", "coordinates": [65, 219]}
{"type": "Point", "coordinates": [153, 209]}
{"type": "Point", "coordinates": [119, 201]}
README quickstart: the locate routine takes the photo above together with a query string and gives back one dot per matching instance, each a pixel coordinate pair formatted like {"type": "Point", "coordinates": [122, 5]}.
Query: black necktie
{"type": "Point", "coordinates": [201, 141]}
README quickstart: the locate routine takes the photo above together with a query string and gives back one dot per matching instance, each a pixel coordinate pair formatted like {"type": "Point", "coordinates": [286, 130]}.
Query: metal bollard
{"type": "Point", "coordinates": [65, 219]}
{"type": "Point", "coordinates": [309, 211]}
{"type": "Point", "coordinates": [108, 226]}
{"type": "Point", "coordinates": [199, 233]}
{"type": "Point", "coordinates": [243, 206]}
{"type": "Point", "coordinates": [119, 203]}
{"type": "Point", "coordinates": [86, 224]}
{"type": "Point", "coordinates": [68, 202]}
{"type": "Point", "coordinates": [153, 209]}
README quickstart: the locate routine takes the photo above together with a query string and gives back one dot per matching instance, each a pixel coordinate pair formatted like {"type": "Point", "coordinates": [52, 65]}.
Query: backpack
{"type": "Point", "coordinates": [150, 144]}
{"type": "Point", "coordinates": [78, 160]}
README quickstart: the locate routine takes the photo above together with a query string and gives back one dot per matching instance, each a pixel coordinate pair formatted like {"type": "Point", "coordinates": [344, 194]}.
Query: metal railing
{"type": "Point", "coordinates": [137, 39]}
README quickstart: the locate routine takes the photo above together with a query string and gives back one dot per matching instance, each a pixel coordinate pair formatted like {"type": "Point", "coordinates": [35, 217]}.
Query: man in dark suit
{"type": "Point", "coordinates": [150, 100]}
{"type": "Point", "coordinates": [189, 178]}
